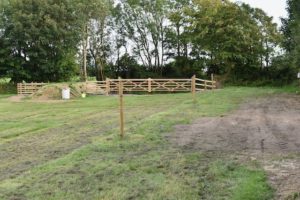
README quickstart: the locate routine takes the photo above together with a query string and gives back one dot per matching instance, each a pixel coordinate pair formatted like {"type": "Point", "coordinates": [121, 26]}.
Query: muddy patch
{"type": "Point", "coordinates": [285, 177]}
{"type": "Point", "coordinates": [264, 128]}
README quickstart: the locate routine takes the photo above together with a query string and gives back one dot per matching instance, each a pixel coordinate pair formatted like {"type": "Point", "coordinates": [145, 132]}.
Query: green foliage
{"type": "Point", "coordinates": [291, 31]}
{"type": "Point", "coordinates": [95, 17]}
{"type": "Point", "coordinates": [53, 41]}
{"type": "Point", "coordinates": [39, 40]}
{"type": "Point", "coordinates": [144, 23]}
{"type": "Point", "coordinates": [6, 87]}
{"type": "Point", "coordinates": [228, 42]}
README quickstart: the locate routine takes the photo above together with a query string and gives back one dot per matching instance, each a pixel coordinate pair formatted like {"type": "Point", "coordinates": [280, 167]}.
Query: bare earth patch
{"type": "Point", "coordinates": [264, 129]}
{"type": "Point", "coordinates": [16, 98]}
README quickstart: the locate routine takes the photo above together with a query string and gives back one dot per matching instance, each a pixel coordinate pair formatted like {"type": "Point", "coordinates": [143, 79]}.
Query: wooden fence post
{"type": "Point", "coordinates": [119, 82]}
{"type": "Point", "coordinates": [107, 86]}
{"type": "Point", "coordinates": [213, 82]}
{"type": "Point", "coordinates": [149, 85]}
{"type": "Point", "coordinates": [122, 133]}
{"type": "Point", "coordinates": [18, 88]}
{"type": "Point", "coordinates": [205, 85]}
{"type": "Point", "coordinates": [194, 88]}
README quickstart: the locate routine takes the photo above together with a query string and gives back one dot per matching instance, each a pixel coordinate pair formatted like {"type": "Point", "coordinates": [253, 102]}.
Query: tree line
{"type": "Point", "coordinates": [56, 40]}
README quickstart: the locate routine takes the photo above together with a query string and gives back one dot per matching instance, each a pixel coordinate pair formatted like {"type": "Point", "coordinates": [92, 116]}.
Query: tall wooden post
{"type": "Point", "coordinates": [122, 132]}
{"type": "Point", "coordinates": [107, 83]}
{"type": "Point", "coordinates": [149, 85]}
{"type": "Point", "coordinates": [194, 88]}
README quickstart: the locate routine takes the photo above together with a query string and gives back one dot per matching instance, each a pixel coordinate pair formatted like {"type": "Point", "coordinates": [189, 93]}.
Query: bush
{"type": "Point", "coordinates": [8, 88]}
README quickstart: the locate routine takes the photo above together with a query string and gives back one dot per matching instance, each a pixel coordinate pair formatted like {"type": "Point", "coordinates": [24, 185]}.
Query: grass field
{"type": "Point", "coordinates": [71, 150]}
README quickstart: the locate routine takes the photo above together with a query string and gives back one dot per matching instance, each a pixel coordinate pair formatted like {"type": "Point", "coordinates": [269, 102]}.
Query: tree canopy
{"type": "Point", "coordinates": [50, 40]}
{"type": "Point", "coordinates": [291, 31]}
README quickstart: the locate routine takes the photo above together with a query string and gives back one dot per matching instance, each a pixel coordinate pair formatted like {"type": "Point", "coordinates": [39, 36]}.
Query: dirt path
{"type": "Point", "coordinates": [266, 129]}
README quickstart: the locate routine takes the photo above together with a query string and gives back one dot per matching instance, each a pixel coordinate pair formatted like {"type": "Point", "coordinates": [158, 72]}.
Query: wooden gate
{"type": "Point", "coordinates": [29, 88]}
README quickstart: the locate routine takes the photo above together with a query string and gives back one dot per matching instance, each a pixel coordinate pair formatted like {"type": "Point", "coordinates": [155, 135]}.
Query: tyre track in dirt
{"type": "Point", "coordinates": [265, 129]}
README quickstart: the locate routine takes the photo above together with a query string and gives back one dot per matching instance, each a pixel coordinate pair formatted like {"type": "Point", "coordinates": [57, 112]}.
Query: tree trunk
{"type": "Point", "coordinates": [85, 44]}
{"type": "Point", "coordinates": [162, 48]}
{"type": "Point", "coordinates": [178, 39]}
{"type": "Point", "coordinates": [267, 54]}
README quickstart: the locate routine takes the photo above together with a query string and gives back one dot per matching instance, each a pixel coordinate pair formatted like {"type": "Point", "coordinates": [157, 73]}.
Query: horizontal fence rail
{"type": "Point", "coordinates": [202, 85]}
{"type": "Point", "coordinates": [96, 87]}
{"type": "Point", "coordinates": [29, 88]}
{"type": "Point", "coordinates": [151, 85]}
{"type": "Point", "coordinates": [133, 85]}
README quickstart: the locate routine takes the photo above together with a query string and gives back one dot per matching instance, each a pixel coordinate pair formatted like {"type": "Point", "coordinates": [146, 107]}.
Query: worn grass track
{"type": "Point", "coordinates": [72, 150]}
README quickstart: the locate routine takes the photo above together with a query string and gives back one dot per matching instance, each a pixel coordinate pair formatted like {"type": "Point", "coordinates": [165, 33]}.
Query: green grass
{"type": "Point", "coordinates": [242, 182]}
{"type": "Point", "coordinates": [72, 150]}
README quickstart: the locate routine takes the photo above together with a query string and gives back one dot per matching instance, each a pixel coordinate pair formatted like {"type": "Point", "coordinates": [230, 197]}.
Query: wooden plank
{"type": "Point", "coordinates": [113, 80]}
{"type": "Point", "coordinates": [202, 80]}
{"type": "Point", "coordinates": [29, 88]}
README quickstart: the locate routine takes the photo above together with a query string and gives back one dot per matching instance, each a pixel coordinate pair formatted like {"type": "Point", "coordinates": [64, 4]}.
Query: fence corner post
{"type": "Point", "coordinates": [107, 86]}
{"type": "Point", "coordinates": [149, 85]}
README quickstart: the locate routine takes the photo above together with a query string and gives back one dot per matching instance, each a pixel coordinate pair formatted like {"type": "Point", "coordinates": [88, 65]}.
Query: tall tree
{"type": "Point", "coordinates": [291, 31]}
{"type": "Point", "coordinates": [227, 41]}
{"type": "Point", "coordinates": [121, 46]}
{"type": "Point", "coordinates": [145, 27]}
{"type": "Point", "coordinates": [41, 38]}
{"type": "Point", "coordinates": [4, 50]}
{"type": "Point", "coordinates": [268, 36]}
{"type": "Point", "coordinates": [94, 16]}
{"type": "Point", "coordinates": [177, 32]}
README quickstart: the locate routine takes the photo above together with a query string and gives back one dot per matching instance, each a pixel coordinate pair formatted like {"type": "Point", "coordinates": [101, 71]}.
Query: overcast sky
{"type": "Point", "coordinates": [275, 8]}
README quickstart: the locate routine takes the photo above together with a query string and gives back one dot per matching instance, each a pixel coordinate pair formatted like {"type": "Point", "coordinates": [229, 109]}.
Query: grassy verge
{"type": "Point", "coordinates": [142, 166]}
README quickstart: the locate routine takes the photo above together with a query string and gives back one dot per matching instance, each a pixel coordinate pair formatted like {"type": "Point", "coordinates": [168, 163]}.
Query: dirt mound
{"type": "Point", "coordinates": [266, 128]}
{"type": "Point", "coordinates": [49, 92]}
{"type": "Point", "coordinates": [53, 92]}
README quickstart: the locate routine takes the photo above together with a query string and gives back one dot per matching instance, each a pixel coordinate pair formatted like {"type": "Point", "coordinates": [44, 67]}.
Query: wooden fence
{"type": "Point", "coordinates": [150, 85]}
{"type": "Point", "coordinates": [133, 85]}
{"type": "Point", "coordinates": [202, 85]}
{"type": "Point", "coordinates": [29, 88]}
{"type": "Point", "coordinates": [96, 87]}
